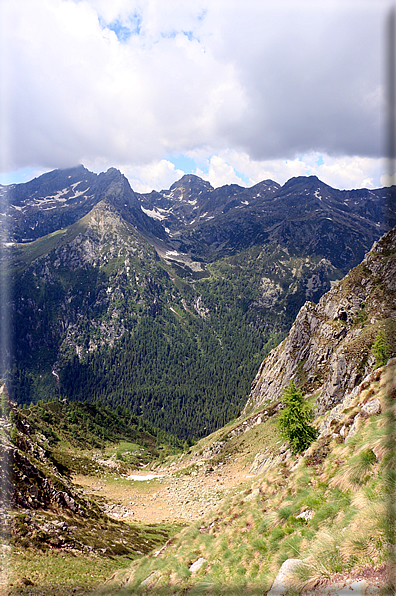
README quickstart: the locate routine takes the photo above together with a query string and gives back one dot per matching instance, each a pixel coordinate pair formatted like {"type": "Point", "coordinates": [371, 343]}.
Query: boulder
{"type": "Point", "coordinates": [283, 582]}
{"type": "Point", "coordinates": [372, 407]}
{"type": "Point", "coordinates": [197, 565]}
{"type": "Point", "coordinates": [149, 581]}
{"type": "Point", "coordinates": [252, 496]}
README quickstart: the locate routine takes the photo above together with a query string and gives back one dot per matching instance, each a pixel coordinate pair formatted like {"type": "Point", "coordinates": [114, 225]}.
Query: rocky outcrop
{"type": "Point", "coordinates": [30, 478]}
{"type": "Point", "coordinates": [328, 349]}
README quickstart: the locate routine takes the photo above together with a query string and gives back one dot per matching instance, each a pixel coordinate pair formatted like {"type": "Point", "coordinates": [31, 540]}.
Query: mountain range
{"type": "Point", "coordinates": [166, 302]}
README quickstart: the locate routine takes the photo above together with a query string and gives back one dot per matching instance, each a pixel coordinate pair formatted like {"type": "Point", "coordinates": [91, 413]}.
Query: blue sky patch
{"type": "Point", "coordinates": [243, 177]}
{"type": "Point", "coordinates": [186, 164]}
{"type": "Point", "coordinates": [189, 34]}
{"type": "Point", "coordinates": [123, 33]}
{"type": "Point", "coordinates": [122, 30]}
{"type": "Point", "coordinates": [19, 176]}
{"type": "Point", "coordinates": [202, 14]}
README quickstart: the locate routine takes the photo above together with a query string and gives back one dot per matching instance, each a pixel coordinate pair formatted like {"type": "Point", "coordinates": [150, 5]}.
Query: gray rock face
{"type": "Point", "coordinates": [372, 408]}
{"type": "Point", "coordinates": [252, 496]}
{"type": "Point", "coordinates": [328, 348]}
{"type": "Point", "coordinates": [149, 581]}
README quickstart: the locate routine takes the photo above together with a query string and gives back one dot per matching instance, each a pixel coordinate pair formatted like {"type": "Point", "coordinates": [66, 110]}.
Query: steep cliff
{"type": "Point", "coordinates": [329, 347]}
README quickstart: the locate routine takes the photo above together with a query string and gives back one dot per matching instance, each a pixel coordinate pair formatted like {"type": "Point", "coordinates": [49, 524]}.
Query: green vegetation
{"type": "Point", "coordinates": [39, 566]}
{"type": "Point", "coordinates": [43, 531]}
{"type": "Point", "coordinates": [53, 573]}
{"type": "Point", "coordinates": [4, 404]}
{"type": "Point", "coordinates": [381, 349]}
{"type": "Point", "coordinates": [93, 426]}
{"type": "Point", "coordinates": [294, 419]}
{"type": "Point", "coordinates": [318, 510]}
{"type": "Point", "coordinates": [175, 373]}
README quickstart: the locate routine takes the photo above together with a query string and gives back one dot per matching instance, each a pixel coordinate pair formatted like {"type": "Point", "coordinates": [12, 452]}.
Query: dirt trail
{"type": "Point", "coordinates": [187, 487]}
{"type": "Point", "coordinates": [172, 496]}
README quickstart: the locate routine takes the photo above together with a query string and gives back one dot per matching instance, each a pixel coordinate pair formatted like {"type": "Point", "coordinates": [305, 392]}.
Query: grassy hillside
{"type": "Point", "coordinates": [58, 530]}
{"type": "Point", "coordinates": [328, 507]}
{"type": "Point", "coordinates": [89, 426]}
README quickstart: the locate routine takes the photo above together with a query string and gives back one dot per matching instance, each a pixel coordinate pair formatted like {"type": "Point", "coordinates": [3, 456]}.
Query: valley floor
{"type": "Point", "coordinates": [170, 497]}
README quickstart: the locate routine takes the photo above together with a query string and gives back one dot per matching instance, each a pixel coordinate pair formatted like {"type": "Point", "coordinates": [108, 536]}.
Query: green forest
{"type": "Point", "coordinates": [188, 346]}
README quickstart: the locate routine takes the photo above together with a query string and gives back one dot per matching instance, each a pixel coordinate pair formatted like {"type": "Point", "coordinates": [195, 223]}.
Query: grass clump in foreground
{"type": "Point", "coordinates": [54, 573]}
{"type": "Point", "coordinates": [91, 551]}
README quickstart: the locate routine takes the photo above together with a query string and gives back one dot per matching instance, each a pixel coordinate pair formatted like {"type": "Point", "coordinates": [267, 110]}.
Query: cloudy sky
{"type": "Point", "coordinates": [235, 91]}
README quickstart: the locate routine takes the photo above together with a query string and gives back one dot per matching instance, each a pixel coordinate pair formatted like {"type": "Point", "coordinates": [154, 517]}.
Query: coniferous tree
{"type": "Point", "coordinates": [294, 419]}
{"type": "Point", "coordinates": [380, 349]}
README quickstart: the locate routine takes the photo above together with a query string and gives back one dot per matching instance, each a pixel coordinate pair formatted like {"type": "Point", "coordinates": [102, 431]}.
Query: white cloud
{"type": "Point", "coordinates": [155, 176]}
{"type": "Point", "coordinates": [257, 82]}
{"type": "Point", "coordinates": [220, 172]}
{"type": "Point", "coordinates": [75, 93]}
{"type": "Point", "coordinates": [350, 171]}
{"type": "Point", "coordinates": [388, 180]}
{"type": "Point", "coordinates": [343, 172]}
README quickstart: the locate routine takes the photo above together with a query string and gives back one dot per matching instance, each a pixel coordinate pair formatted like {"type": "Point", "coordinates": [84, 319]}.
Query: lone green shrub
{"type": "Point", "coordinates": [380, 349]}
{"type": "Point", "coordinates": [294, 419]}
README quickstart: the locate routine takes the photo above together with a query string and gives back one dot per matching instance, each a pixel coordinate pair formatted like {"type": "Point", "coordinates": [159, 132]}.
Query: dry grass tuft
{"type": "Point", "coordinates": [365, 539]}
{"type": "Point", "coordinates": [356, 471]}
{"type": "Point", "coordinates": [325, 558]}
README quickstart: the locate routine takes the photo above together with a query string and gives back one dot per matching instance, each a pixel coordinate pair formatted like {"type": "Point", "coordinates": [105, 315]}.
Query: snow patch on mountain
{"type": "Point", "coordinates": [154, 213]}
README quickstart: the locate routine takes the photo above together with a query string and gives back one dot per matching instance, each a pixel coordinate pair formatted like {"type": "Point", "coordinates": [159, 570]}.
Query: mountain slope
{"type": "Point", "coordinates": [95, 301]}
{"type": "Point", "coordinates": [171, 322]}
{"type": "Point", "coordinates": [96, 314]}
{"type": "Point", "coordinates": [326, 511]}
{"type": "Point", "coordinates": [329, 347]}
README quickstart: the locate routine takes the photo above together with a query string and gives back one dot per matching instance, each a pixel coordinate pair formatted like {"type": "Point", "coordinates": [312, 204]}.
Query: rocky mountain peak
{"type": "Point", "coordinates": [305, 184]}
{"type": "Point", "coordinates": [266, 185]}
{"type": "Point", "coordinates": [60, 198]}
{"type": "Point", "coordinates": [191, 182]}
{"type": "Point", "coordinates": [115, 188]}
{"type": "Point", "coordinates": [188, 188]}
